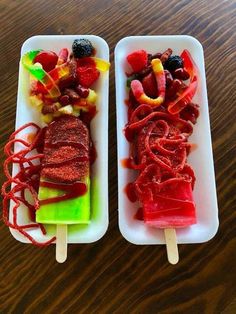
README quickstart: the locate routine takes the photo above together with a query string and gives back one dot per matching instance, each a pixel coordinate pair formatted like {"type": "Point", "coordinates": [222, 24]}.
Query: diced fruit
{"type": "Point", "coordinates": [81, 104]}
{"type": "Point", "coordinates": [57, 114]}
{"type": "Point", "coordinates": [36, 101]}
{"type": "Point", "coordinates": [76, 112]}
{"type": "Point", "coordinates": [82, 91]}
{"type": "Point", "coordinates": [82, 48]}
{"type": "Point", "coordinates": [47, 118]}
{"type": "Point", "coordinates": [173, 63]}
{"type": "Point", "coordinates": [150, 85]}
{"type": "Point", "coordinates": [50, 108]}
{"type": "Point", "coordinates": [48, 59]}
{"type": "Point", "coordinates": [73, 96]}
{"type": "Point", "coordinates": [66, 110]}
{"type": "Point", "coordinates": [87, 76]}
{"type": "Point", "coordinates": [138, 60]}
{"type": "Point", "coordinates": [86, 63]}
{"type": "Point", "coordinates": [68, 82]}
{"type": "Point", "coordinates": [64, 100]}
{"type": "Point", "coordinates": [92, 97]}
{"type": "Point", "coordinates": [87, 72]}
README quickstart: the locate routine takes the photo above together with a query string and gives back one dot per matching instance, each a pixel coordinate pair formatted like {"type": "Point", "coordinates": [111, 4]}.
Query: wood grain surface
{"type": "Point", "coordinates": [112, 275]}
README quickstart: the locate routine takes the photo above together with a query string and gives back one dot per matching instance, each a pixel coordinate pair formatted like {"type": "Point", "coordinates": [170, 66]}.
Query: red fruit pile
{"type": "Point", "coordinates": [74, 88]}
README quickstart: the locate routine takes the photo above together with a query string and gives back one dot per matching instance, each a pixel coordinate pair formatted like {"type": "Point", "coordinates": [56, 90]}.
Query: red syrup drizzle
{"type": "Point", "coordinates": [162, 157]}
{"type": "Point", "coordinates": [74, 190]}
{"type": "Point", "coordinates": [127, 163]}
{"type": "Point", "coordinates": [26, 179]}
{"type": "Point", "coordinates": [131, 192]}
{"type": "Point", "coordinates": [86, 117]}
{"type": "Point", "coordinates": [74, 164]}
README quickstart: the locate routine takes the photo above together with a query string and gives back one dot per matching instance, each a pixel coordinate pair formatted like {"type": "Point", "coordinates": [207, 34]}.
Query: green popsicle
{"type": "Point", "coordinates": [71, 211]}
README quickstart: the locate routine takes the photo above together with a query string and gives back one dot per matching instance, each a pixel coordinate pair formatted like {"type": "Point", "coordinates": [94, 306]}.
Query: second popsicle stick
{"type": "Point", "coordinates": [171, 246]}
{"type": "Point", "coordinates": [61, 243]}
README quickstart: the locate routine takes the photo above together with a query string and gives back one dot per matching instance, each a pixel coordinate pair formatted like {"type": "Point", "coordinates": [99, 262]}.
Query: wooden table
{"type": "Point", "coordinates": [112, 275]}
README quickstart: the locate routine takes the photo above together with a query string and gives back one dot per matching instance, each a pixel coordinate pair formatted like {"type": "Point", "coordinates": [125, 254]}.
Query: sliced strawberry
{"type": "Point", "coordinates": [86, 62]}
{"type": "Point", "coordinates": [150, 85]}
{"type": "Point", "coordinates": [48, 59]}
{"type": "Point", "coordinates": [86, 71]}
{"type": "Point", "coordinates": [87, 76]}
{"type": "Point", "coordinates": [138, 60]}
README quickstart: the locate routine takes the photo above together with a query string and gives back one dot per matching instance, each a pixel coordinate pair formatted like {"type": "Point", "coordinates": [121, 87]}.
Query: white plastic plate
{"type": "Point", "coordinates": [99, 132]}
{"type": "Point", "coordinates": [200, 159]}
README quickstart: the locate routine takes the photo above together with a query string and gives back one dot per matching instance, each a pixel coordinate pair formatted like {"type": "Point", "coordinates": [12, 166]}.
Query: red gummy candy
{"type": "Point", "coordinates": [150, 85]}
{"type": "Point", "coordinates": [48, 59]}
{"type": "Point", "coordinates": [138, 60]}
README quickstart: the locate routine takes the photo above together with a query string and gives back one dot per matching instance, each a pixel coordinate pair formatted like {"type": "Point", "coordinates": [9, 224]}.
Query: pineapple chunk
{"type": "Point", "coordinates": [66, 110]}
{"type": "Point", "coordinates": [81, 104]}
{"type": "Point", "coordinates": [92, 97]}
{"type": "Point", "coordinates": [76, 112]}
{"type": "Point", "coordinates": [36, 101]}
{"type": "Point", "coordinates": [57, 104]}
{"type": "Point", "coordinates": [57, 114]}
{"type": "Point", "coordinates": [47, 118]}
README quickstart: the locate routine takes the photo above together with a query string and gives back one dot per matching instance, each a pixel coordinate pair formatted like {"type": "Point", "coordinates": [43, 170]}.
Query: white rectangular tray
{"type": "Point", "coordinates": [201, 159]}
{"type": "Point", "coordinates": [99, 132]}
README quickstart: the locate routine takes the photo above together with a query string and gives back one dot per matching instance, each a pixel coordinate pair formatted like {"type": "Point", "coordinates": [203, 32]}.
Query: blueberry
{"type": "Point", "coordinates": [173, 63]}
{"type": "Point", "coordinates": [82, 48]}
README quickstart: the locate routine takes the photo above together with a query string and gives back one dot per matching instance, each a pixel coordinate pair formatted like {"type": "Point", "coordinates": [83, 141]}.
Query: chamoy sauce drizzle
{"type": "Point", "coordinates": [72, 190]}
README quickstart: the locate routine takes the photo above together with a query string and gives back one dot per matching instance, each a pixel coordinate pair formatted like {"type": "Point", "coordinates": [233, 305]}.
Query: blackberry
{"type": "Point", "coordinates": [82, 48]}
{"type": "Point", "coordinates": [173, 63]}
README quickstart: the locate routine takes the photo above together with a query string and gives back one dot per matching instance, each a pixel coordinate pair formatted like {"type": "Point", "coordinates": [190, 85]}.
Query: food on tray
{"type": "Point", "coordinates": [160, 120]}
{"type": "Point", "coordinates": [52, 181]}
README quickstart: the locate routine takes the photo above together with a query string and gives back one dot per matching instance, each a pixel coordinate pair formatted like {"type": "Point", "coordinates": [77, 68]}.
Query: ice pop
{"type": "Point", "coordinates": [64, 191]}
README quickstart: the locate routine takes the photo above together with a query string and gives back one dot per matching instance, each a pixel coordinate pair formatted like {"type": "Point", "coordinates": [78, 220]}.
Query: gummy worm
{"type": "Point", "coordinates": [138, 90]}
{"type": "Point", "coordinates": [39, 73]}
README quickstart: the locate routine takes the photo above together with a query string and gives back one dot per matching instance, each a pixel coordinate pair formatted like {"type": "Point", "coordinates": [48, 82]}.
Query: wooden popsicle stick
{"type": "Point", "coordinates": [171, 246]}
{"type": "Point", "coordinates": [61, 243]}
